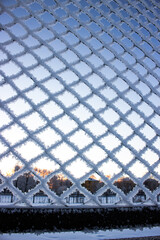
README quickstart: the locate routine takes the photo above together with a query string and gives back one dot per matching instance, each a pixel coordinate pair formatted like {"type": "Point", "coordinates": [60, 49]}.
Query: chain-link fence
{"type": "Point", "coordinates": [79, 103]}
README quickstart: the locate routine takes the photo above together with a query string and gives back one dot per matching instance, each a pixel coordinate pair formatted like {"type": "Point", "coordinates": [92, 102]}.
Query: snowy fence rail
{"type": "Point", "coordinates": [79, 103]}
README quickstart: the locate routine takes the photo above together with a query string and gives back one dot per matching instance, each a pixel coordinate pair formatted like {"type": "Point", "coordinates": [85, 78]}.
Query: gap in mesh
{"type": "Point", "coordinates": [95, 61]}
{"type": "Point", "coordinates": [5, 118]}
{"type": "Point", "coordinates": [9, 164]}
{"type": "Point", "coordinates": [84, 33]}
{"type": "Point", "coordinates": [67, 99]}
{"type": "Point", "coordinates": [4, 37]}
{"type": "Point", "coordinates": [110, 142]}
{"type": "Point", "coordinates": [78, 168]}
{"type": "Point", "coordinates": [135, 119]}
{"type": "Point", "coordinates": [6, 18]}
{"type": "Point", "coordinates": [82, 89]}
{"type": "Point", "coordinates": [59, 28]}
{"type": "Point", "coordinates": [95, 80]}
{"type": "Point", "coordinates": [17, 30]}
{"type": "Point", "coordinates": [51, 110]}
{"type": "Point", "coordinates": [32, 24]}
{"type": "Point", "coordinates": [69, 76]}
{"type": "Point", "coordinates": [141, 70]}
{"type": "Point", "coordinates": [96, 102]}
{"type": "Point", "coordinates": [58, 45]}
{"type": "Point", "coordinates": [29, 150]}
{"type": "Point", "coordinates": [96, 127]}
{"type": "Point", "coordinates": [97, 45]}
{"type": "Point", "coordinates": [124, 155]}
{"type": "Point", "coordinates": [109, 197]}
{"type": "Point", "coordinates": [137, 143]}
{"type": "Point", "coordinates": [129, 58]}
{"type": "Point", "coordinates": [125, 184]}
{"type": "Point", "coordinates": [119, 65]}
{"type": "Point", "coordinates": [3, 147]}
{"type": "Point", "coordinates": [66, 124]}
{"type": "Point", "coordinates": [110, 168]}
{"type": "Point", "coordinates": [48, 137]}
{"type": "Point", "coordinates": [26, 182]}
{"type": "Point", "coordinates": [43, 52]}
{"type": "Point", "coordinates": [143, 88]}
{"type": "Point", "coordinates": [149, 63]}
{"type": "Point", "coordinates": [133, 96]}
{"type": "Point", "coordinates": [82, 113]}
{"type": "Point", "coordinates": [27, 60]}
{"type": "Point", "coordinates": [19, 106]}
{"type": "Point", "coordinates": [3, 56]}
{"type": "Point", "coordinates": [138, 169]}
{"type": "Point", "coordinates": [23, 82]}
{"type": "Point", "coordinates": [110, 116]}
{"type": "Point", "coordinates": [47, 17]}
{"type": "Point", "coordinates": [123, 129]}
{"type": "Point", "coordinates": [33, 121]}
{"type": "Point", "coordinates": [45, 34]}
{"type": "Point", "coordinates": [152, 183]}
{"type": "Point", "coordinates": [63, 152]}
{"type": "Point", "coordinates": [150, 156]}
{"type": "Point", "coordinates": [44, 166]}
{"type": "Point", "coordinates": [40, 73]}
{"type": "Point", "coordinates": [59, 183]}
{"type": "Point", "coordinates": [80, 139]}
{"type": "Point", "coordinates": [145, 109]}
{"type": "Point", "coordinates": [108, 73]}
{"type": "Point", "coordinates": [93, 183]}
{"type": "Point", "coordinates": [7, 68]}
{"type": "Point", "coordinates": [35, 7]}
{"type": "Point", "coordinates": [120, 84]}
{"type": "Point", "coordinates": [117, 48]}
{"type": "Point", "coordinates": [71, 38]}
{"type": "Point", "coordinates": [156, 120]}
{"type": "Point", "coordinates": [154, 99]}
{"type": "Point", "coordinates": [71, 22]}
{"type": "Point", "coordinates": [131, 76]}
{"type": "Point", "coordinates": [122, 106]}
{"type": "Point", "coordinates": [95, 154]}
{"type": "Point", "coordinates": [14, 134]}
{"type": "Point", "coordinates": [55, 64]}
{"type": "Point", "coordinates": [60, 12]}
{"type": "Point", "coordinates": [156, 143]}
{"type": "Point", "coordinates": [37, 95]}
{"type": "Point", "coordinates": [94, 27]}
{"type": "Point", "coordinates": [83, 50]}
{"type": "Point", "coordinates": [108, 93]}
{"type": "Point", "coordinates": [108, 55]}
{"type": "Point", "coordinates": [53, 85]}
{"type": "Point", "coordinates": [82, 68]}
{"type": "Point", "coordinates": [148, 132]}
{"type": "Point", "coordinates": [32, 42]}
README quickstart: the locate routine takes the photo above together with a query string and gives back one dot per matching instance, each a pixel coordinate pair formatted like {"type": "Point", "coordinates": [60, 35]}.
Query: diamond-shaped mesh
{"type": "Point", "coordinates": [79, 102]}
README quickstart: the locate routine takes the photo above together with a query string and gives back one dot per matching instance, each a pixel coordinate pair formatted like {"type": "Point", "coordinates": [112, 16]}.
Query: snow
{"type": "Point", "coordinates": [79, 235]}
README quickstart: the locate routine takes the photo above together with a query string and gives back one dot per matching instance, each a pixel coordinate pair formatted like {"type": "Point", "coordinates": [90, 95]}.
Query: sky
{"type": "Point", "coordinates": [79, 87]}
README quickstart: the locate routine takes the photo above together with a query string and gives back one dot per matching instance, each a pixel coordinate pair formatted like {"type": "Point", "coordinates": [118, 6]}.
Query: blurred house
{"type": "Point", "coordinates": [6, 196]}
{"type": "Point", "coordinates": [139, 197]}
{"type": "Point", "coordinates": [40, 198]}
{"type": "Point", "coordinates": [75, 198]}
{"type": "Point", "coordinates": [108, 197]}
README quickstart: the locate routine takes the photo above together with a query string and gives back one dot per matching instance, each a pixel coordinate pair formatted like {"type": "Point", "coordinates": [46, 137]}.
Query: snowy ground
{"type": "Point", "coordinates": [80, 235]}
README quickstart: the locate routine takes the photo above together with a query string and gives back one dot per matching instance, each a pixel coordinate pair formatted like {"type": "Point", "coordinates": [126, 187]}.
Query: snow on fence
{"type": "Point", "coordinates": [79, 102]}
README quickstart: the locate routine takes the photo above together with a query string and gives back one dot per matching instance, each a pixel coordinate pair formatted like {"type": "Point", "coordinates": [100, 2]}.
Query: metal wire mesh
{"type": "Point", "coordinates": [79, 95]}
